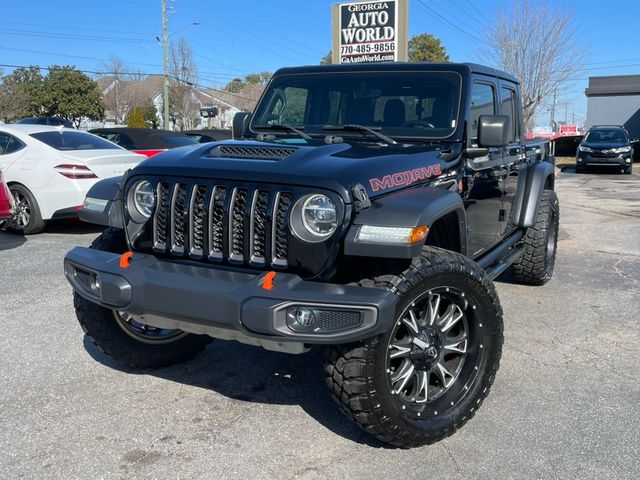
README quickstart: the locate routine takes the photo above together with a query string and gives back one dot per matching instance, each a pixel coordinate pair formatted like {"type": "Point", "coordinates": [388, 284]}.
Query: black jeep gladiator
{"type": "Point", "coordinates": [363, 208]}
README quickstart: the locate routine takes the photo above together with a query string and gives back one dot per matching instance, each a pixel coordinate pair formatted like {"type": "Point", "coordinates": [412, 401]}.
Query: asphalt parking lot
{"type": "Point", "coordinates": [564, 404]}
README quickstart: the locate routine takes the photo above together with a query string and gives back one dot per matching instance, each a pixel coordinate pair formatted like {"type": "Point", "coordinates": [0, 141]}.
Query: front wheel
{"type": "Point", "coordinates": [125, 338]}
{"type": "Point", "coordinates": [427, 376]}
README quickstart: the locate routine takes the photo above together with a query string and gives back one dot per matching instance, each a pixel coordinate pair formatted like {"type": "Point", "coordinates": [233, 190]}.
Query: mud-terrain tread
{"type": "Point", "coordinates": [348, 368]}
{"type": "Point", "coordinates": [532, 268]}
{"type": "Point", "coordinates": [100, 327]}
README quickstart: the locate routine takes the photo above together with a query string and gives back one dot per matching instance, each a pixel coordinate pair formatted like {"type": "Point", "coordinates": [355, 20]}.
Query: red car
{"type": "Point", "coordinates": [6, 202]}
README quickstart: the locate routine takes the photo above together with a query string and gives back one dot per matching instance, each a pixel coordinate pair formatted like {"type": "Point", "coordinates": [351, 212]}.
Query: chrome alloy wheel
{"type": "Point", "coordinates": [428, 351]}
{"type": "Point", "coordinates": [21, 211]}
{"type": "Point", "coordinates": [146, 333]}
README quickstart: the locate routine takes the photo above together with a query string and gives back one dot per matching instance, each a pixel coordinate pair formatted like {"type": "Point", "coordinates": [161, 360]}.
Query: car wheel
{"type": "Point", "coordinates": [427, 376]}
{"type": "Point", "coordinates": [27, 219]}
{"type": "Point", "coordinates": [535, 267]}
{"type": "Point", "coordinates": [628, 170]}
{"type": "Point", "coordinates": [126, 339]}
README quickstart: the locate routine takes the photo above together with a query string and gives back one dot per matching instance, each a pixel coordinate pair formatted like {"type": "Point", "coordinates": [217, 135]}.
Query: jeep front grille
{"type": "Point", "coordinates": [222, 223]}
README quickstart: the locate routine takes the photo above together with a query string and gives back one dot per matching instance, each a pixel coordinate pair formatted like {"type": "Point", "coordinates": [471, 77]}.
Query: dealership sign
{"type": "Point", "coordinates": [373, 31]}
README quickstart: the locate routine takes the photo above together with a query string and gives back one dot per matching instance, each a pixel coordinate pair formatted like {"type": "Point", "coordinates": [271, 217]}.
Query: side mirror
{"type": "Point", "coordinates": [493, 131]}
{"type": "Point", "coordinates": [239, 124]}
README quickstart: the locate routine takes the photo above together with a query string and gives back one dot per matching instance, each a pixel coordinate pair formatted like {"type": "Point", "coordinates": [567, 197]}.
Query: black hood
{"type": "Point", "coordinates": [338, 167]}
{"type": "Point", "coordinates": [604, 145]}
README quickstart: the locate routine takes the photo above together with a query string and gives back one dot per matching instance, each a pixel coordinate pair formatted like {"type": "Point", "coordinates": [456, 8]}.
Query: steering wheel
{"type": "Point", "coordinates": [419, 124]}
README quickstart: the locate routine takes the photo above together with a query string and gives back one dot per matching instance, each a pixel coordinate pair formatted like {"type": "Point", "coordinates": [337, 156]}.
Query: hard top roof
{"type": "Point", "coordinates": [462, 68]}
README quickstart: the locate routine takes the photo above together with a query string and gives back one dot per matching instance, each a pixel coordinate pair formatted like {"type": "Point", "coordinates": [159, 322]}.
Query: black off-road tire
{"type": "Point", "coordinates": [100, 325]}
{"type": "Point", "coordinates": [36, 224]}
{"type": "Point", "coordinates": [357, 373]}
{"type": "Point", "coordinates": [535, 267]}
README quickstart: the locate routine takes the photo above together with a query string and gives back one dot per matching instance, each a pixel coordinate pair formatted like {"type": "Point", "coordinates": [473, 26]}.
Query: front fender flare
{"type": "Point", "coordinates": [108, 190]}
{"type": "Point", "coordinates": [405, 208]}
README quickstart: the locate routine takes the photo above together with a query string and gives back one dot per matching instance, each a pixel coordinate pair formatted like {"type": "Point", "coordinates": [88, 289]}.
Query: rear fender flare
{"type": "Point", "coordinates": [531, 184]}
{"type": "Point", "coordinates": [405, 208]}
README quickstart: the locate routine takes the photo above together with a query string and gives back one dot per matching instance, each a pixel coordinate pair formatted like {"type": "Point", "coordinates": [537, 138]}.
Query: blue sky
{"type": "Point", "coordinates": [237, 37]}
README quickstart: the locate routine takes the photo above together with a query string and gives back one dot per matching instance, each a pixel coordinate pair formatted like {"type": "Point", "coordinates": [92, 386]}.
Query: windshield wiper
{"type": "Point", "coordinates": [284, 126]}
{"type": "Point", "coordinates": [361, 128]}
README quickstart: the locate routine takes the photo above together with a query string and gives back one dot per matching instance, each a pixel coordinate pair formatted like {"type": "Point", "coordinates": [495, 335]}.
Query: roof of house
{"type": "Point", "coordinates": [613, 85]}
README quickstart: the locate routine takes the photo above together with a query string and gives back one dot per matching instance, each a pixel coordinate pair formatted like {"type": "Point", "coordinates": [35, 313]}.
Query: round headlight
{"type": "Point", "coordinates": [144, 198]}
{"type": "Point", "coordinates": [314, 218]}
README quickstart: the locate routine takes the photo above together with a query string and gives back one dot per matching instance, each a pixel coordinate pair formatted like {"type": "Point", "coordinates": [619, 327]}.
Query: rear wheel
{"type": "Point", "coordinates": [123, 337]}
{"type": "Point", "coordinates": [428, 375]}
{"type": "Point", "coordinates": [27, 219]}
{"type": "Point", "coordinates": [536, 265]}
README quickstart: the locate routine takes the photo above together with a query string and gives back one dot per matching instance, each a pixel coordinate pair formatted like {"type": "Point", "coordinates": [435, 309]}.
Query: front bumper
{"type": "Point", "coordinates": [228, 304]}
{"type": "Point", "coordinates": [620, 160]}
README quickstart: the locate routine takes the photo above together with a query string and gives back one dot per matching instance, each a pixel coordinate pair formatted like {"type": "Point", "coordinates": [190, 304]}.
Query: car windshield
{"type": "Point", "coordinates": [411, 104]}
{"type": "Point", "coordinates": [609, 135]}
{"type": "Point", "coordinates": [74, 140]}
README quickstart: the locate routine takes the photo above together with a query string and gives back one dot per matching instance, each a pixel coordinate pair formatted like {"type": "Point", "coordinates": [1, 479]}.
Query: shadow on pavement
{"type": "Point", "coordinates": [72, 227]}
{"type": "Point", "coordinates": [9, 241]}
{"type": "Point", "coordinates": [252, 374]}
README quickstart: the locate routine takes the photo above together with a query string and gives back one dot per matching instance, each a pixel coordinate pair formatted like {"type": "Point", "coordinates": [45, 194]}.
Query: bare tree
{"type": "Point", "coordinates": [114, 97]}
{"type": "Point", "coordinates": [538, 43]}
{"type": "Point", "coordinates": [183, 74]}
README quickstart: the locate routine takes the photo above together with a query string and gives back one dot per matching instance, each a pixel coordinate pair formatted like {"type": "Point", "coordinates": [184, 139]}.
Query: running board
{"type": "Point", "coordinates": [501, 257]}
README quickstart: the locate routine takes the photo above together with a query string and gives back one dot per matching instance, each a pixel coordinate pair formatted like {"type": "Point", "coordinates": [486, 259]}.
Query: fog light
{"type": "Point", "coordinates": [628, 160]}
{"type": "Point", "coordinates": [579, 160]}
{"type": "Point", "coordinates": [94, 283]}
{"type": "Point", "coordinates": [300, 318]}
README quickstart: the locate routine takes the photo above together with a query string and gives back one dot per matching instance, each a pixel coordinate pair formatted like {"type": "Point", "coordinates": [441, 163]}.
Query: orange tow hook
{"type": "Point", "coordinates": [125, 259]}
{"type": "Point", "coordinates": [267, 281]}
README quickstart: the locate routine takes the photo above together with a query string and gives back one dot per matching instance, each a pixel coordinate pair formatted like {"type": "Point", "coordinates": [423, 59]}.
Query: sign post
{"type": "Point", "coordinates": [369, 31]}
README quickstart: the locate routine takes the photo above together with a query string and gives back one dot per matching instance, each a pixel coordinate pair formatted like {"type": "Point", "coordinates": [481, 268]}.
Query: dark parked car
{"type": "Point", "coordinates": [146, 141]}
{"type": "Point", "coordinates": [605, 146]}
{"type": "Point", "coordinates": [209, 135]}
{"type": "Point", "coordinates": [42, 120]}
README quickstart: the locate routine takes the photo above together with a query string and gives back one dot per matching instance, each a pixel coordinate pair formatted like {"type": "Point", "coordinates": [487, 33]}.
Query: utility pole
{"type": "Point", "coordinates": [165, 68]}
{"type": "Point", "coordinates": [553, 110]}
{"type": "Point", "coordinates": [565, 112]}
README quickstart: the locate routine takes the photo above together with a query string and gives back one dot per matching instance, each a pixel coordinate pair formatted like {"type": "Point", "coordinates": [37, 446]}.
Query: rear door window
{"type": "Point", "coordinates": [509, 108]}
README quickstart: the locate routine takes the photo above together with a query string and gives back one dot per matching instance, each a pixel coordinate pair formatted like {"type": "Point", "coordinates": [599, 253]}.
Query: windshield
{"type": "Point", "coordinates": [609, 135]}
{"type": "Point", "coordinates": [399, 104]}
{"type": "Point", "coordinates": [74, 140]}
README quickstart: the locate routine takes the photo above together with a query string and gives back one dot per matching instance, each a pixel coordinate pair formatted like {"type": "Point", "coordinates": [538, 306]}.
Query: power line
{"type": "Point", "coordinates": [147, 74]}
{"type": "Point", "coordinates": [443, 19]}
{"type": "Point", "coordinates": [478, 10]}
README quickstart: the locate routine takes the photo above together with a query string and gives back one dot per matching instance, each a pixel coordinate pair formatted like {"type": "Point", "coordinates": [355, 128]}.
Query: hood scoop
{"type": "Point", "coordinates": [251, 152]}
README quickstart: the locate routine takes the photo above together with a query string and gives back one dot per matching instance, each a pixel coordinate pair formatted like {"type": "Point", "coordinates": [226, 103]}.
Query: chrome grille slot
{"type": "Point", "coordinates": [197, 221]}
{"type": "Point", "coordinates": [216, 223]}
{"type": "Point", "coordinates": [161, 218]}
{"type": "Point", "coordinates": [237, 211]}
{"type": "Point", "coordinates": [280, 235]}
{"type": "Point", "coordinates": [179, 217]}
{"type": "Point", "coordinates": [258, 226]}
